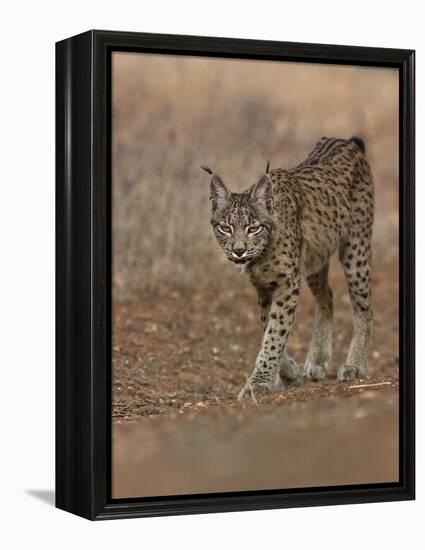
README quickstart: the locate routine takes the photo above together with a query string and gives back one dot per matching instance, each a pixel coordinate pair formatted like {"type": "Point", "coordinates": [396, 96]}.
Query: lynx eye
{"type": "Point", "coordinates": [254, 229]}
{"type": "Point", "coordinates": [226, 229]}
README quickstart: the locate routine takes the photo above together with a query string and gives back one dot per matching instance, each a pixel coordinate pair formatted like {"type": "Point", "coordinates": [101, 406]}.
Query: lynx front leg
{"type": "Point", "coordinates": [266, 375]}
{"type": "Point", "coordinates": [290, 373]}
{"type": "Point", "coordinates": [265, 298]}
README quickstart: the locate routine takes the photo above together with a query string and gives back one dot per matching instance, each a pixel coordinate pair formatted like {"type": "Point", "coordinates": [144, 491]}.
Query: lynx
{"type": "Point", "coordinates": [285, 228]}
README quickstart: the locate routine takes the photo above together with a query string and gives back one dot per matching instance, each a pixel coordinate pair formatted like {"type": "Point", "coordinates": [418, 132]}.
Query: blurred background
{"type": "Point", "coordinates": [185, 328]}
{"type": "Point", "coordinates": [171, 114]}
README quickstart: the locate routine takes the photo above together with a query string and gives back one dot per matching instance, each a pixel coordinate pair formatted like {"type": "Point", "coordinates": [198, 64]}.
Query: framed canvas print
{"type": "Point", "coordinates": [235, 274]}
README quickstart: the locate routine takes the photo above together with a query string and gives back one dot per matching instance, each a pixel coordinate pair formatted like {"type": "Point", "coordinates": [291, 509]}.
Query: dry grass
{"type": "Point", "coordinates": [171, 114]}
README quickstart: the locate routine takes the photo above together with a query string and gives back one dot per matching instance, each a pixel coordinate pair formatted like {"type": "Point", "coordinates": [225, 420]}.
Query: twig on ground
{"type": "Point", "coordinates": [369, 385]}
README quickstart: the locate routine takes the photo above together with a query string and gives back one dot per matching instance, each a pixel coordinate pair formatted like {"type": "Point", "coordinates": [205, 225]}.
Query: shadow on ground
{"type": "Point", "coordinates": [45, 495]}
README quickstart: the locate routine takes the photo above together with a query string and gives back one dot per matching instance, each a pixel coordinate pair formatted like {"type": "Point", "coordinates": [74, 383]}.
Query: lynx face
{"type": "Point", "coordinates": [242, 221]}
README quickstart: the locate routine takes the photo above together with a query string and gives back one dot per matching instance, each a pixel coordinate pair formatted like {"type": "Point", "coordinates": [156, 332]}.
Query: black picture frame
{"type": "Point", "coordinates": [83, 274]}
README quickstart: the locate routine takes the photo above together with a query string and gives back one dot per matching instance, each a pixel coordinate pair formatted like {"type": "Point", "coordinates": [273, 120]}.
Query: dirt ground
{"type": "Point", "coordinates": [178, 364]}
{"type": "Point", "coordinates": [343, 439]}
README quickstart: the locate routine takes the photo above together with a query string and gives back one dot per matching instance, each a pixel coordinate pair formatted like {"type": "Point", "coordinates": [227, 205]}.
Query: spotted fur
{"type": "Point", "coordinates": [285, 228]}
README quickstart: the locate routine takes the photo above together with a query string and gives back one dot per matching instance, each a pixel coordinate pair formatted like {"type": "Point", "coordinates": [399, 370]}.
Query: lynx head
{"type": "Point", "coordinates": [242, 222]}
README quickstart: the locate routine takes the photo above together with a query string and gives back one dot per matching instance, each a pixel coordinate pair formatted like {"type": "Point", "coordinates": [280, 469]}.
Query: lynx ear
{"type": "Point", "coordinates": [262, 193]}
{"type": "Point", "coordinates": [219, 193]}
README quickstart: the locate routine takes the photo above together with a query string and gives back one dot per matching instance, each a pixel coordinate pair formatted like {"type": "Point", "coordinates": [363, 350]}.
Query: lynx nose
{"type": "Point", "coordinates": [238, 251]}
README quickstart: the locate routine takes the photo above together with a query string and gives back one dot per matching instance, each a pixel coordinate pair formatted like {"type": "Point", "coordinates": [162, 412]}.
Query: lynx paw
{"type": "Point", "coordinates": [252, 390]}
{"type": "Point", "coordinates": [350, 372]}
{"type": "Point", "coordinates": [291, 374]}
{"type": "Point", "coordinates": [314, 371]}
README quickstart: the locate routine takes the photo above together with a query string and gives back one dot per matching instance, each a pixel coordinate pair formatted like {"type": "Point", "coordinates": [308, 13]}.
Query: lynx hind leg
{"type": "Point", "coordinates": [291, 374]}
{"type": "Point", "coordinates": [356, 260]}
{"type": "Point", "coordinates": [319, 356]}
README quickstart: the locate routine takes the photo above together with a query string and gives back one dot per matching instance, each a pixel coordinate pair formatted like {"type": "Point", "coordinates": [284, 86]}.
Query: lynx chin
{"type": "Point", "coordinates": [286, 227]}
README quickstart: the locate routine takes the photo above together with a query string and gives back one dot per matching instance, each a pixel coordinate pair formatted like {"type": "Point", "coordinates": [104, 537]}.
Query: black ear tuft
{"type": "Point", "coordinates": [207, 170]}
{"type": "Point", "coordinates": [268, 167]}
